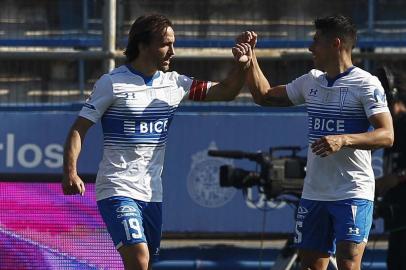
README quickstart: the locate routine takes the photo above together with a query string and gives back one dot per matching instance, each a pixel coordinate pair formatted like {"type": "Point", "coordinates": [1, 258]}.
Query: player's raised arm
{"type": "Point", "coordinates": [230, 87]}
{"type": "Point", "coordinates": [262, 92]}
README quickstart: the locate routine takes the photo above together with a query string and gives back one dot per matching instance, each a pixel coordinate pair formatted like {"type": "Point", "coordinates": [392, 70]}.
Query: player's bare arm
{"type": "Point", "coordinates": [230, 87]}
{"type": "Point", "coordinates": [261, 91]}
{"type": "Point", "coordinates": [71, 183]}
{"type": "Point", "coordinates": [381, 136]}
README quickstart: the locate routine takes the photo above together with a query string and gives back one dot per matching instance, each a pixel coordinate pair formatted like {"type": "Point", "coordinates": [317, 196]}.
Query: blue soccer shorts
{"type": "Point", "coordinates": [131, 222]}
{"type": "Point", "coordinates": [320, 224]}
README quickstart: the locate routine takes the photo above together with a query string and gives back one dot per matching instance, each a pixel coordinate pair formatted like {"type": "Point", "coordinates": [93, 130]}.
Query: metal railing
{"type": "Point", "coordinates": [95, 45]}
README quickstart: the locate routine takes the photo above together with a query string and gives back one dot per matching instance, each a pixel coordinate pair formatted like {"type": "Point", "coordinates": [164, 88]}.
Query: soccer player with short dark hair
{"type": "Point", "coordinates": [342, 100]}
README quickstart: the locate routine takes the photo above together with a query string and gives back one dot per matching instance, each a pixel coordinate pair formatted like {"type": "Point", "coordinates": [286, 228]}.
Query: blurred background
{"type": "Point", "coordinates": [53, 51]}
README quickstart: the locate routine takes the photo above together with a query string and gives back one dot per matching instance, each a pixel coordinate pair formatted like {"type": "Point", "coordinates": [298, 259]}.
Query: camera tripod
{"type": "Point", "coordinates": [288, 258]}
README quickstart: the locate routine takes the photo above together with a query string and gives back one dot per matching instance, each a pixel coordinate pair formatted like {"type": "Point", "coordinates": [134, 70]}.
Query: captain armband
{"type": "Point", "coordinates": [198, 90]}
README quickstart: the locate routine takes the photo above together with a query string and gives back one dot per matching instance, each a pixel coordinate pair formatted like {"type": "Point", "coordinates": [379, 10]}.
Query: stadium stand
{"type": "Point", "coordinates": [50, 27]}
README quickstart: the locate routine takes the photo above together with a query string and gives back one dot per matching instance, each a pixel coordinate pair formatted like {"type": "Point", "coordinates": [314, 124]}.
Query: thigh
{"type": "Point", "coordinates": [314, 231]}
{"type": "Point", "coordinates": [123, 219]}
{"type": "Point", "coordinates": [352, 219]}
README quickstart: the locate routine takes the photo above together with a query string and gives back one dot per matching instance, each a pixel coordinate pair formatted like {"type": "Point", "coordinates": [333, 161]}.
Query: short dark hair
{"type": "Point", "coordinates": [338, 26]}
{"type": "Point", "coordinates": [393, 82]}
{"type": "Point", "coordinates": [399, 91]}
{"type": "Point", "coordinates": [143, 30]}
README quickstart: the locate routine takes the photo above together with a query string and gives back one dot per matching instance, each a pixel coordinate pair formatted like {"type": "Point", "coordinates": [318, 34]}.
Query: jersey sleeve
{"type": "Point", "coordinates": [373, 97]}
{"type": "Point", "coordinates": [295, 89]}
{"type": "Point", "coordinates": [100, 99]}
{"type": "Point", "coordinates": [195, 90]}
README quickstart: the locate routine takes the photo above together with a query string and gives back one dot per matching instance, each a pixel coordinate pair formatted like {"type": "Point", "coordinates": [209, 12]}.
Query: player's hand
{"type": "Point", "coordinates": [242, 53]}
{"type": "Point", "coordinates": [72, 185]}
{"type": "Point", "coordinates": [327, 145]}
{"type": "Point", "coordinates": [249, 37]}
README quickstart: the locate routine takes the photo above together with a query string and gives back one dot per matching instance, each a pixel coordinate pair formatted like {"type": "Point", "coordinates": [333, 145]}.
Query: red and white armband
{"type": "Point", "coordinates": [198, 90]}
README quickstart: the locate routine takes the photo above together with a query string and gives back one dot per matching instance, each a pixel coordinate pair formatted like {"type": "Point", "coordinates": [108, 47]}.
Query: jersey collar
{"type": "Point", "coordinates": [331, 81]}
{"type": "Point", "coordinates": [147, 79]}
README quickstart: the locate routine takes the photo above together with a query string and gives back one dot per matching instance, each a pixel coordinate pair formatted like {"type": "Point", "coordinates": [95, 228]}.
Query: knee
{"type": "Point", "coordinates": [135, 257]}
{"type": "Point", "coordinates": [349, 256]}
{"type": "Point", "coordinates": [144, 262]}
{"type": "Point", "coordinates": [139, 262]}
{"type": "Point", "coordinates": [347, 264]}
{"type": "Point", "coordinates": [313, 260]}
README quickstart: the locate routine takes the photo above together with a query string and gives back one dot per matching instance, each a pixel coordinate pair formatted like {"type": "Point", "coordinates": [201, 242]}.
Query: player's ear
{"type": "Point", "coordinates": [337, 43]}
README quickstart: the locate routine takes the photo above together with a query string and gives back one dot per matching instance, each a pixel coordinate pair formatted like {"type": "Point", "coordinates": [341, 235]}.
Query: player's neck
{"type": "Point", "coordinates": [341, 65]}
{"type": "Point", "coordinates": [143, 67]}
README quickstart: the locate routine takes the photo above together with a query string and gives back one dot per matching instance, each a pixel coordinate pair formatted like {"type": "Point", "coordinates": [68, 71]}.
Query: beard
{"type": "Point", "coordinates": [163, 64]}
{"type": "Point", "coordinates": [164, 68]}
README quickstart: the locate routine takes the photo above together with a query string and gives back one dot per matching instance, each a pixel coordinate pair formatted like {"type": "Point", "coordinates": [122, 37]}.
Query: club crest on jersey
{"type": "Point", "coordinates": [343, 95]}
{"type": "Point", "coordinates": [203, 182]}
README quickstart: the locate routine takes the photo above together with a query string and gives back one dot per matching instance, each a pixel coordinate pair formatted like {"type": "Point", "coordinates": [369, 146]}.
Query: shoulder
{"type": "Point", "coordinates": [104, 80]}
{"type": "Point", "coordinates": [114, 75]}
{"type": "Point", "coordinates": [108, 80]}
{"type": "Point", "coordinates": [315, 74]}
{"type": "Point", "coordinates": [364, 78]}
{"type": "Point", "coordinates": [121, 77]}
{"type": "Point", "coordinates": [119, 72]}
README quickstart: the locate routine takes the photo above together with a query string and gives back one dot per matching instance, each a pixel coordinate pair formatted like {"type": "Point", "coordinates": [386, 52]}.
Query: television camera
{"type": "Point", "coordinates": [277, 175]}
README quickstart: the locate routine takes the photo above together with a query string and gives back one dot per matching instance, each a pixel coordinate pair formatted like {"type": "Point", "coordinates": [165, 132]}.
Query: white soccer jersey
{"type": "Point", "coordinates": [339, 106]}
{"type": "Point", "coordinates": [136, 113]}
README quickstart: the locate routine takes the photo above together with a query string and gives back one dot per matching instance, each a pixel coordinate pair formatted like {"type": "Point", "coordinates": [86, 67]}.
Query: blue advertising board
{"type": "Point", "coordinates": [32, 143]}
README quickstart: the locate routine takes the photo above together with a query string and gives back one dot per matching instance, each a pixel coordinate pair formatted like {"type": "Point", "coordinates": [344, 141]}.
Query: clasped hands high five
{"type": "Point", "coordinates": [245, 43]}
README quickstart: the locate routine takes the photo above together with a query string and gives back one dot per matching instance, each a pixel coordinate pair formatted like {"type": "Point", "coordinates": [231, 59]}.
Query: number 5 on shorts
{"type": "Point", "coordinates": [298, 236]}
